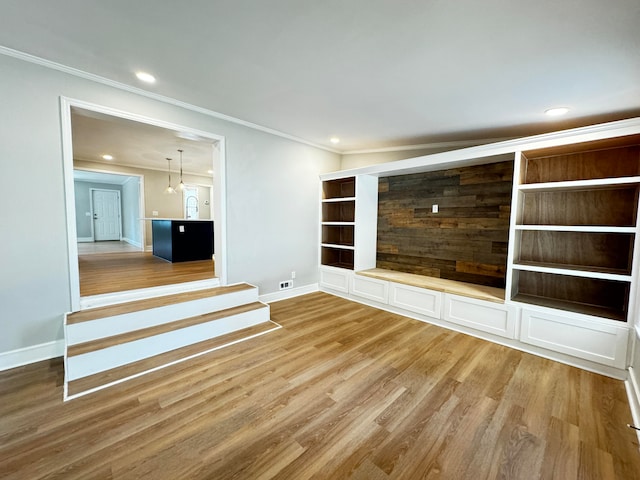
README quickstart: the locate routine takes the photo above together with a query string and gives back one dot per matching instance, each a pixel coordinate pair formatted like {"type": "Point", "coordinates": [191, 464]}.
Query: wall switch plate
{"type": "Point", "coordinates": [181, 228]}
{"type": "Point", "coordinates": [293, 275]}
{"type": "Point", "coordinates": [154, 213]}
{"type": "Point", "coordinates": [434, 208]}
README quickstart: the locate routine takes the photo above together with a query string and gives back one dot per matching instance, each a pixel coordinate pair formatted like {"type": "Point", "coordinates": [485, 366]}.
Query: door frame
{"type": "Point", "coordinates": [93, 231]}
{"type": "Point", "coordinates": [218, 162]}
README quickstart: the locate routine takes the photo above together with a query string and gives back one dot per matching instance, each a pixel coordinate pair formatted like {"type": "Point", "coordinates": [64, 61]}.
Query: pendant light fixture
{"type": "Point", "coordinates": [169, 189]}
{"type": "Point", "coordinates": [181, 184]}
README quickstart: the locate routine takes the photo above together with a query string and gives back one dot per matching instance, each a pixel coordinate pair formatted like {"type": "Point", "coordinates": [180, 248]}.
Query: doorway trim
{"type": "Point", "coordinates": [218, 190]}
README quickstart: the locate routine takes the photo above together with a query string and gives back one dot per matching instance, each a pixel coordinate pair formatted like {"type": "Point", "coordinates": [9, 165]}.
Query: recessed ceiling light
{"type": "Point", "coordinates": [556, 112]}
{"type": "Point", "coordinates": [107, 157]}
{"type": "Point", "coordinates": [334, 140]}
{"type": "Point", "coordinates": [146, 77]}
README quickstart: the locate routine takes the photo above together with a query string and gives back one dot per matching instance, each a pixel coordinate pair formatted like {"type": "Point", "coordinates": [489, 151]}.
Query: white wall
{"type": "Point", "coordinates": [272, 197]}
{"type": "Point", "coordinates": [131, 226]}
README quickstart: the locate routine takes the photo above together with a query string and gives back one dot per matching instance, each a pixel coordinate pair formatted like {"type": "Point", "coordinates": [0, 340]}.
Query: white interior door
{"type": "Point", "coordinates": [106, 214]}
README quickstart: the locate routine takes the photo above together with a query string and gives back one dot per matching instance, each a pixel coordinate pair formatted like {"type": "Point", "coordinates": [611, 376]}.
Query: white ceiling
{"type": "Point", "coordinates": [376, 73]}
{"type": "Point", "coordinates": [137, 144]}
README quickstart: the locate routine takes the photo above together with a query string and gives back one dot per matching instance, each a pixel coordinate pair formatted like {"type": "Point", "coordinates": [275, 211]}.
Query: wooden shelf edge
{"type": "Point", "coordinates": [576, 228]}
{"type": "Point", "coordinates": [580, 184]}
{"type": "Point", "coordinates": [575, 271]}
{"type": "Point", "coordinates": [580, 308]}
{"type": "Point", "coordinates": [343, 266]}
{"type": "Point", "coordinates": [338, 199]}
{"type": "Point", "coordinates": [338, 246]}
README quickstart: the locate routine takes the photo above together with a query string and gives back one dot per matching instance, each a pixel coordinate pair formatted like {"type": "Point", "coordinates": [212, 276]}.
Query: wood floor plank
{"type": "Point", "coordinates": [116, 272]}
{"type": "Point", "coordinates": [341, 391]}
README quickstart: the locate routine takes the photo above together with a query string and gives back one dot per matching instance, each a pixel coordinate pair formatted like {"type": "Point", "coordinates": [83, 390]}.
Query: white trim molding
{"type": "Point", "coordinates": [290, 293]}
{"type": "Point", "coordinates": [218, 161]}
{"type": "Point", "coordinates": [85, 239]}
{"type": "Point", "coordinates": [632, 385]}
{"type": "Point", "coordinates": [32, 354]}
{"type": "Point", "coordinates": [428, 146]}
{"type": "Point", "coordinates": [130, 242]}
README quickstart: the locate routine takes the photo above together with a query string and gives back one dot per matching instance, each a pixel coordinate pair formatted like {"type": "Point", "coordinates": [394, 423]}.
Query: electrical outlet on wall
{"type": "Point", "coordinates": [286, 284]}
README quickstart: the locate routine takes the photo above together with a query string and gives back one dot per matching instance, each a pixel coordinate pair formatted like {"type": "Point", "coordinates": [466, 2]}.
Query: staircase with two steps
{"type": "Point", "coordinates": [111, 344]}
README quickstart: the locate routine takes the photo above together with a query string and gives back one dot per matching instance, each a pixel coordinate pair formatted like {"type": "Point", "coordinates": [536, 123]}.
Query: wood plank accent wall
{"type": "Point", "coordinates": [466, 241]}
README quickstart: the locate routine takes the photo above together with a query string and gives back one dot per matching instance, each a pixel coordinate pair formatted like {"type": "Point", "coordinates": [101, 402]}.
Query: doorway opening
{"type": "Point", "coordinates": [138, 146]}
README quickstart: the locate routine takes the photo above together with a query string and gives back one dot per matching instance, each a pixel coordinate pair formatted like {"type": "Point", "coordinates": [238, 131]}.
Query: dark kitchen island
{"type": "Point", "coordinates": [178, 240]}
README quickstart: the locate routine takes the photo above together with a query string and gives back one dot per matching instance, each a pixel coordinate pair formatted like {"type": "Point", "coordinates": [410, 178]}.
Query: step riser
{"type": "Point", "coordinates": [140, 294]}
{"type": "Point", "coordinates": [118, 324]}
{"type": "Point", "coordinates": [116, 356]}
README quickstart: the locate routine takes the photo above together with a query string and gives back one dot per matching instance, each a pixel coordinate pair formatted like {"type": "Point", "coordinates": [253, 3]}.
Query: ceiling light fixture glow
{"type": "Point", "coordinates": [334, 140]}
{"type": "Point", "coordinates": [556, 112]}
{"type": "Point", "coordinates": [146, 77]}
{"type": "Point", "coordinates": [107, 157]}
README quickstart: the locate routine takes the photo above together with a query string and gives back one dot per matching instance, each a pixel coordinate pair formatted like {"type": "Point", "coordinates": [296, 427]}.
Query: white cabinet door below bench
{"type": "Point", "coordinates": [370, 288]}
{"type": "Point", "coordinates": [579, 336]}
{"type": "Point", "coordinates": [489, 317]}
{"type": "Point", "coordinates": [335, 279]}
{"type": "Point", "coordinates": [418, 300]}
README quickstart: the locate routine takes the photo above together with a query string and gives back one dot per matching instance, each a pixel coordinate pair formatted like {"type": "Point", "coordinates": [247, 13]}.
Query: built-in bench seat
{"type": "Point", "coordinates": [480, 292]}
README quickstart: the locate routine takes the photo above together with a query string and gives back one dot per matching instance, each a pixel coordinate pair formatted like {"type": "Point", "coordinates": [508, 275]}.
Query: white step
{"type": "Point", "coordinates": [115, 319]}
{"type": "Point", "coordinates": [90, 363]}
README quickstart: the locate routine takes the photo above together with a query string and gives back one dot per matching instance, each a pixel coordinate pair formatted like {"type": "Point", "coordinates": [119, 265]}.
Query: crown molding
{"type": "Point", "coordinates": [9, 52]}
{"type": "Point", "coordinates": [425, 146]}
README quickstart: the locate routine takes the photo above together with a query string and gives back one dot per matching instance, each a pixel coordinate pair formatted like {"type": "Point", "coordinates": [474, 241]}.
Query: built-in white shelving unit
{"type": "Point", "coordinates": [572, 268]}
{"type": "Point", "coordinates": [575, 226]}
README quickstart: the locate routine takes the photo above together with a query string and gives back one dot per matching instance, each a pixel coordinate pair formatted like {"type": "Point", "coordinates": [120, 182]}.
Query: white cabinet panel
{"type": "Point", "coordinates": [335, 279]}
{"type": "Point", "coordinates": [486, 316]}
{"type": "Point", "coordinates": [580, 337]}
{"type": "Point", "coordinates": [370, 288]}
{"type": "Point", "coordinates": [418, 300]}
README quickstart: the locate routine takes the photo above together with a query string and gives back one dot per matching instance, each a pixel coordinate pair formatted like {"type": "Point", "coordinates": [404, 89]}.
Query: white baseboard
{"type": "Point", "coordinates": [85, 239]}
{"type": "Point", "coordinates": [132, 242]}
{"type": "Point", "coordinates": [35, 353]}
{"type": "Point", "coordinates": [148, 248]}
{"type": "Point", "coordinates": [633, 393]}
{"type": "Point", "coordinates": [289, 293]}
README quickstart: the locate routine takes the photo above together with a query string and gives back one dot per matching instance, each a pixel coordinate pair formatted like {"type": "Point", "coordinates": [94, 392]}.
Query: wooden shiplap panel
{"type": "Point", "coordinates": [466, 240]}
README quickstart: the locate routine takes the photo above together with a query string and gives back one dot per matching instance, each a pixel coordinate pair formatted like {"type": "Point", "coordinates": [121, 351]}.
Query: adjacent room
{"type": "Point", "coordinates": [330, 240]}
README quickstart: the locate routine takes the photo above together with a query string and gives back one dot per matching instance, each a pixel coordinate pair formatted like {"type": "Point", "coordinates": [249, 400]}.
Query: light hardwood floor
{"type": "Point", "coordinates": [341, 391]}
{"type": "Point", "coordinates": [116, 272]}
